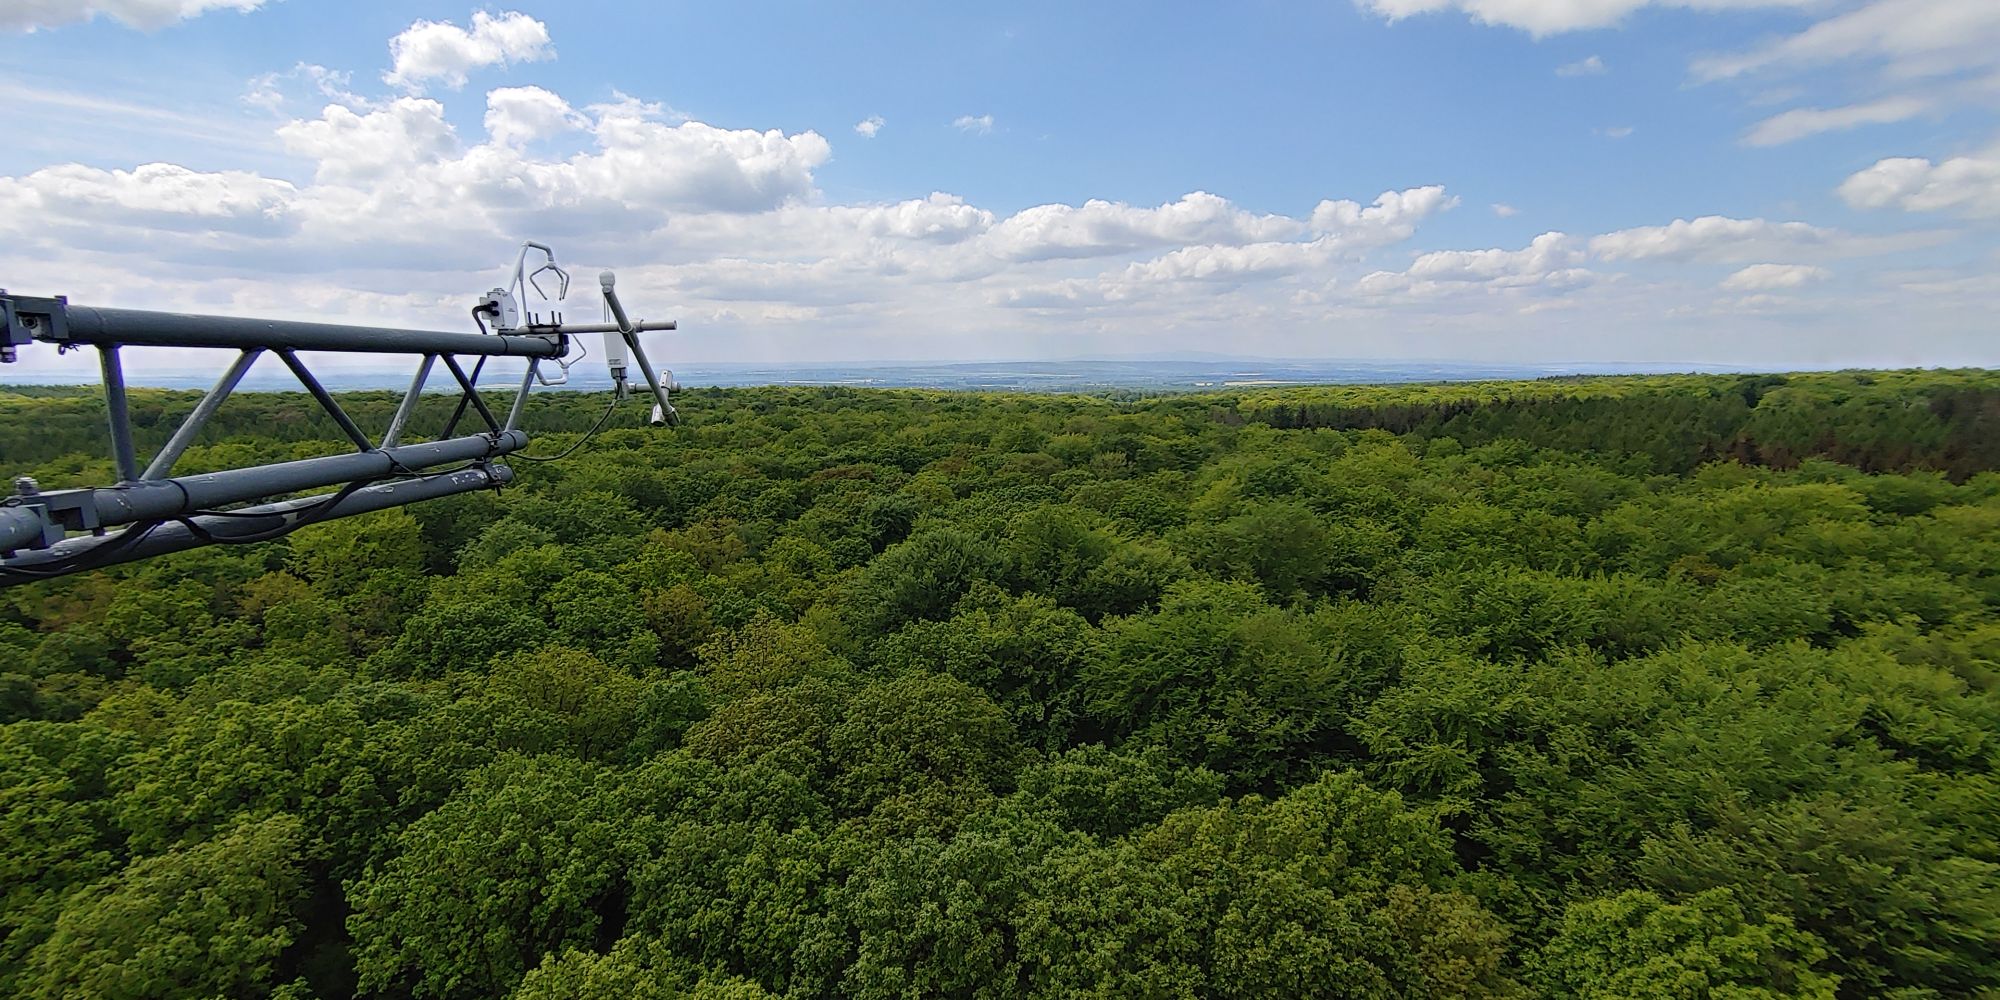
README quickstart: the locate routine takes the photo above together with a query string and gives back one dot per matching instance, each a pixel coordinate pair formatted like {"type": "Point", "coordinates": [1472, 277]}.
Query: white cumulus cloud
{"type": "Point", "coordinates": [977, 125]}
{"type": "Point", "coordinates": [1546, 255]}
{"type": "Point", "coordinates": [1549, 17]}
{"type": "Point", "coordinates": [1591, 66]}
{"type": "Point", "coordinates": [1719, 238]}
{"type": "Point", "coordinates": [1099, 228]}
{"type": "Point", "coordinates": [162, 195]}
{"type": "Point", "coordinates": [1549, 262]}
{"type": "Point", "coordinates": [147, 15]}
{"type": "Point", "coordinates": [1799, 123]}
{"type": "Point", "coordinates": [357, 146]}
{"type": "Point", "coordinates": [1219, 248]}
{"type": "Point", "coordinates": [940, 218]}
{"type": "Point", "coordinates": [1962, 185]}
{"type": "Point", "coordinates": [1392, 218]}
{"type": "Point", "coordinates": [869, 126]}
{"type": "Point", "coordinates": [1774, 277]}
{"type": "Point", "coordinates": [1908, 38]}
{"type": "Point", "coordinates": [523, 114]}
{"type": "Point", "coordinates": [1228, 263]}
{"type": "Point", "coordinates": [444, 52]}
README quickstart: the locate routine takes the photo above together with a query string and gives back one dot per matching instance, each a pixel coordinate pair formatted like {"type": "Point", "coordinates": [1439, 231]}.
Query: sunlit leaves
{"type": "Point", "coordinates": [839, 693]}
{"type": "Point", "coordinates": [209, 919]}
{"type": "Point", "coordinates": [1637, 944]}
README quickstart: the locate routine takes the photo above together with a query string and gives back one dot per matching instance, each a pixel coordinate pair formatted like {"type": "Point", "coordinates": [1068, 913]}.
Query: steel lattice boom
{"type": "Point", "coordinates": [150, 512]}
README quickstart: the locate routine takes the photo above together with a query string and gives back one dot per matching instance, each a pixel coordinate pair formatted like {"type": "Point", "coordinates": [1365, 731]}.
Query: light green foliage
{"type": "Point", "coordinates": [922, 577]}
{"type": "Point", "coordinates": [919, 730]}
{"type": "Point", "coordinates": [517, 864]}
{"type": "Point", "coordinates": [456, 631]}
{"type": "Point", "coordinates": [1636, 944]}
{"type": "Point", "coordinates": [1221, 678]}
{"type": "Point", "coordinates": [239, 757]}
{"type": "Point", "coordinates": [1664, 686]}
{"type": "Point", "coordinates": [1280, 545]}
{"type": "Point", "coordinates": [1890, 896]}
{"type": "Point", "coordinates": [562, 700]}
{"type": "Point", "coordinates": [741, 870]}
{"type": "Point", "coordinates": [1026, 653]}
{"type": "Point", "coordinates": [346, 556]}
{"type": "Point", "coordinates": [596, 611]}
{"type": "Point", "coordinates": [55, 819]}
{"type": "Point", "coordinates": [765, 655]}
{"type": "Point", "coordinates": [630, 972]}
{"type": "Point", "coordinates": [205, 920]}
{"type": "Point", "coordinates": [1068, 555]}
{"type": "Point", "coordinates": [1333, 890]}
{"type": "Point", "coordinates": [1110, 794]}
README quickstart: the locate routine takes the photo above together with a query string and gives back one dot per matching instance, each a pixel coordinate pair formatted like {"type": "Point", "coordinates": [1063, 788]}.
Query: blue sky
{"type": "Point", "coordinates": [1768, 182]}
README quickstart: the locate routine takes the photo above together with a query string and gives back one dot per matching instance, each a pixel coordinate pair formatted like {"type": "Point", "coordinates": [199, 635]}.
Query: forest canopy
{"type": "Point", "coordinates": [1674, 686]}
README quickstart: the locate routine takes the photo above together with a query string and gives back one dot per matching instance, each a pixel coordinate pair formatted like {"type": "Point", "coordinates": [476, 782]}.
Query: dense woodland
{"type": "Point", "coordinates": [1638, 687]}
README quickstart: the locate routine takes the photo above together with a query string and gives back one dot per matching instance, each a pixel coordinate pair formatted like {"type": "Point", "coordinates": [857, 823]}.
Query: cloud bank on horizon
{"type": "Point", "coordinates": [390, 188]}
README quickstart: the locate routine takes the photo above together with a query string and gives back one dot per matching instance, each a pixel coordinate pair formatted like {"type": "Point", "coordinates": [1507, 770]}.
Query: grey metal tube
{"type": "Point", "coordinates": [176, 497]}
{"type": "Point", "coordinates": [631, 334]}
{"type": "Point", "coordinates": [141, 328]}
{"type": "Point", "coordinates": [605, 285]}
{"type": "Point", "coordinates": [471, 395]}
{"type": "Point", "coordinates": [19, 528]}
{"type": "Point", "coordinates": [521, 398]}
{"type": "Point", "coordinates": [326, 400]}
{"type": "Point", "coordinates": [163, 463]}
{"type": "Point", "coordinates": [652, 378]}
{"type": "Point", "coordinates": [408, 406]}
{"type": "Point", "coordinates": [119, 413]}
{"type": "Point", "coordinates": [651, 326]}
{"type": "Point", "coordinates": [251, 522]}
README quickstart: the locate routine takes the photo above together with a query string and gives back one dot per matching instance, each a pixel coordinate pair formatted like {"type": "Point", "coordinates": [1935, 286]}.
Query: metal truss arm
{"type": "Point", "coordinates": [56, 321]}
{"type": "Point", "coordinates": [157, 513]}
{"type": "Point", "coordinates": [150, 511]}
{"type": "Point", "coordinates": [242, 526]}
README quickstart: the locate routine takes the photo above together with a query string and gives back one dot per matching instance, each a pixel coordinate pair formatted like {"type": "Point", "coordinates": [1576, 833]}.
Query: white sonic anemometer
{"type": "Point", "coordinates": [508, 306]}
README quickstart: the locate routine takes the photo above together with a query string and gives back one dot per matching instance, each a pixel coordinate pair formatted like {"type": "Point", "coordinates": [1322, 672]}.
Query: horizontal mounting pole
{"type": "Point", "coordinates": [643, 326]}
{"type": "Point", "coordinates": [246, 525]}
{"type": "Point", "coordinates": [142, 328]}
{"type": "Point", "coordinates": [22, 526]}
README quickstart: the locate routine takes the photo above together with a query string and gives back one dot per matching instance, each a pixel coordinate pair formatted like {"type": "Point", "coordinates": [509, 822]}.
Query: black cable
{"type": "Point", "coordinates": [306, 516]}
{"type": "Point", "coordinates": [86, 559]}
{"type": "Point", "coordinates": [329, 498]}
{"type": "Point", "coordinates": [565, 453]}
{"type": "Point", "coordinates": [137, 532]}
{"type": "Point", "coordinates": [95, 556]}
